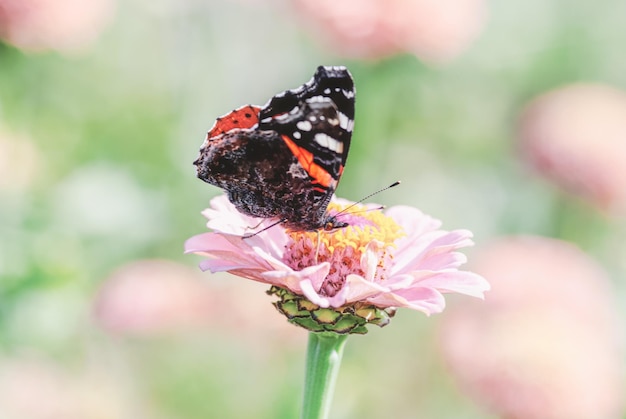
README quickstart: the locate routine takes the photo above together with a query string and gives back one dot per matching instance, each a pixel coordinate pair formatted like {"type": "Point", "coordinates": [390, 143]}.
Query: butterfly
{"type": "Point", "coordinates": [284, 160]}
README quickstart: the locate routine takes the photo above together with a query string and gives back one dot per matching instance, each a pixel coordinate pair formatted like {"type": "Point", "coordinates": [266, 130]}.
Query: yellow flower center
{"type": "Point", "coordinates": [344, 247]}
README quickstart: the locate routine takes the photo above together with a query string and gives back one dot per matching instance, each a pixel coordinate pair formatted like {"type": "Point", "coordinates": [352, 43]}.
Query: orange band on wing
{"type": "Point", "coordinates": [317, 172]}
{"type": "Point", "coordinates": [244, 117]}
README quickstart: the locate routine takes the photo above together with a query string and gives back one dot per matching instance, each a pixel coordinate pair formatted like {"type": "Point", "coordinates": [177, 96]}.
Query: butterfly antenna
{"type": "Point", "coordinates": [378, 208]}
{"type": "Point", "coordinates": [396, 183]}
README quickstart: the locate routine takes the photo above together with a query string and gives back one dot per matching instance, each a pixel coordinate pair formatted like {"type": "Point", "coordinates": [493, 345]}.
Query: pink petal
{"type": "Point", "coordinates": [426, 300]}
{"type": "Point", "coordinates": [338, 299]}
{"type": "Point", "coordinates": [413, 221]}
{"type": "Point", "coordinates": [463, 282]}
{"type": "Point", "coordinates": [223, 217]}
{"type": "Point", "coordinates": [434, 261]}
{"type": "Point", "coordinates": [269, 255]}
{"type": "Point", "coordinates": [309, 290]}
{"type": "Point", "coordinates": [206, 242]}
{"type": "Point", "coordinates": [370, 258]}
{"type": "Point", "coordinates": [293, 280]}
{"type": "Point", "coordinates": [227, 253]}
{"type": "Point", "coordinates": [273, 241]}
{"type": "Point", "coordinates": [360, 288]}
{"type": "Point", "coordinates": [219, 265]}
{"type": "Point", "coordinates": [433, 250]}
{"type": "Point", "coordinates": [220, 245]}
{"type": "Point", "coordinates": [254, 274]}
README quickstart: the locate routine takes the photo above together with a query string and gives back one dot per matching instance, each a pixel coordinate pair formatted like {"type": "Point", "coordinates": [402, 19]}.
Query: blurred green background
{"type": "Point", "coordinates": [97, 174]}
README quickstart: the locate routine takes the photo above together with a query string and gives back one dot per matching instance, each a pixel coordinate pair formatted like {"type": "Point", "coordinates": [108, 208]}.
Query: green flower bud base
{"type": "Point", "coordinates": [351, 319]}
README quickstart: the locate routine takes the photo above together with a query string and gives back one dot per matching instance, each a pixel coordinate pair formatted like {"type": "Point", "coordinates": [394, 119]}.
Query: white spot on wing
{"type": "Point", "coordinates": [304, 125]}
{"type": "Point", "coordinates": [281, 117]}
{"type": "Point", "coordinates": [345, 122]}
{"type": "Point", "coordinates": [322, 139]}
{"type": "Point", "coordinates": [318, 99]}
{"type": "Point", "coordinates": [296, 135]}
{"type": "Point", "coordinates": [329, 142]}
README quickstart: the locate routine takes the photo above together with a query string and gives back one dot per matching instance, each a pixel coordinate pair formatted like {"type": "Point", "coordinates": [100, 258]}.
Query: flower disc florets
{"type": "Point", "coordinates": [344, 248]}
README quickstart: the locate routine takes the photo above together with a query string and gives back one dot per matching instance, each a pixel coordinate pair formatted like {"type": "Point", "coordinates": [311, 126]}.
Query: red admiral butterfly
{"type": "Point", "coordinates": [284, 160]}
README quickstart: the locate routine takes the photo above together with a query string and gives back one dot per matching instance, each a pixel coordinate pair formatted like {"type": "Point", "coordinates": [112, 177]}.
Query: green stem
{"type": "Point", "coordinates": [323, 359]}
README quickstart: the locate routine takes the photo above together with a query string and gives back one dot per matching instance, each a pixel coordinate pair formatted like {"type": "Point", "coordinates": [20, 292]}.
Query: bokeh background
{"type": "Point", "coordinates": [507, 118]}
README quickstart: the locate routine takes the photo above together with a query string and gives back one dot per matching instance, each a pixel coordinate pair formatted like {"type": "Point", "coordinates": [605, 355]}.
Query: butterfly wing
{"type": "Point", "coordinates": [245, 117]}
{"type": "Point", "coordinates": [316, 121]}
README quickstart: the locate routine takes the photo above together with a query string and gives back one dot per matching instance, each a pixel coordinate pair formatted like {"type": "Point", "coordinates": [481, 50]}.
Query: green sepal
{"type": "Point", "coordinates": [350, 319]}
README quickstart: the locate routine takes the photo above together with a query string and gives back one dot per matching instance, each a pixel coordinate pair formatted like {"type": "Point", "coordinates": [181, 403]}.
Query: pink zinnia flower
{"type": "Point", "coordinates": [434, 30]}
{"type": "Point", "coordinates": [547, 343]}
{"type": "Point", "coordinates": [154, 297]}
{"type": "Point", "coordinates": [36, 387]}
{"type": "Point", "coordinates": [399, 258]}
{"type": "Point", "coordinates": [62, 25]}
{"type": "Point", "coordinates": [576, 137]}
{"type": "Point", "coordinates": [151, 297]}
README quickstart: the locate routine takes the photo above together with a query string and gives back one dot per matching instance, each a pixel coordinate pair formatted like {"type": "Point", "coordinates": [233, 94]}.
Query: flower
{"type": "Point", "coordinates": [547, 342]}
{"type": "Point", "coordinates": [152, 296]}
{"type": "Point", "coordinates": [62, 25]}
{"type": "Point", "coordinates": [155, 297]}
{"type": "Point", "coordinates": [434, 30]}
{"type": "Point", "coordinates": [574, 136]}
{"type": "Point", "coordinates": [82, 391]}
{"type": "Point", "coordinates": [381, 261]}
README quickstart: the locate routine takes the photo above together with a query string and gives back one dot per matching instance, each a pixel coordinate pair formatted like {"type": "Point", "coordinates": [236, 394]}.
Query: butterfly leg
{"type": "Point", "coordinates": [247, 236]}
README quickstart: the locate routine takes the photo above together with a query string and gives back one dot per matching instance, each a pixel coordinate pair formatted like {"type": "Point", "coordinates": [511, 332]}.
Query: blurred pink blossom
{"type": "Point", "coordinates": [434, 30]}
{"type": "Point", "coordinates": [546, 344]}
{"type": "Point", "coordinates": [576, 136]}
{"type": "Point", "coordinates": [62, 25]}
{"type": "Point", "coordinates": [397, 259]}
{"type": "Point", "coordinates": [33, 388]}
{"type": "Point", "coordinates": [152, 296]}
{"type": "Point", "coordinates": [156, 297]}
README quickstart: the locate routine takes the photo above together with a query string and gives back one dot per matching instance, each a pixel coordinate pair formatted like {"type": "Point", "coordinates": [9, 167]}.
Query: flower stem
{"type": "Point", "coordinates": [323, 359]}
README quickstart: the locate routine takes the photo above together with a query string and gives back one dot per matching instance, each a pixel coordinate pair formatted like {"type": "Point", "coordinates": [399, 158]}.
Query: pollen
{"type": "Point", "coordinates": [343, 248]}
